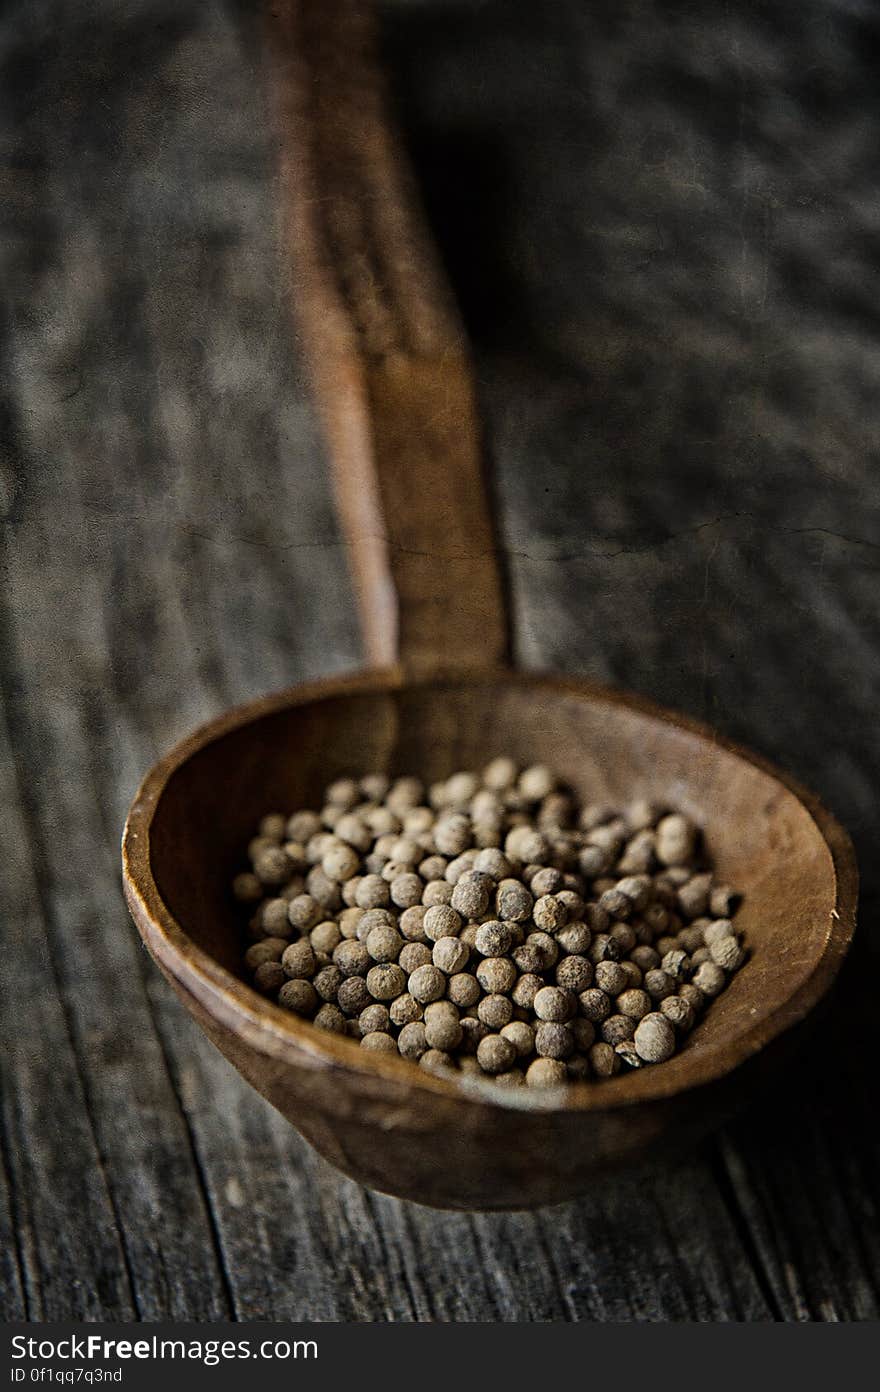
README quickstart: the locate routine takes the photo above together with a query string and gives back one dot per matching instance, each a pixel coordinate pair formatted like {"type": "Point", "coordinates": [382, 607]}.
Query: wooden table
{"type": "Point", "coordinates": [664, 234]}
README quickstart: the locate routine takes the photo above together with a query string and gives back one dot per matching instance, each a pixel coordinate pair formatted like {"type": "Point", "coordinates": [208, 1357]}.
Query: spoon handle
{"type": "Point", "coordinates": [386, 352]}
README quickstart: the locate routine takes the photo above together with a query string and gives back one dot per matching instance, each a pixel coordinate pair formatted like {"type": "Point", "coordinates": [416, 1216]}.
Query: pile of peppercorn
{"type": "Point", "coordinates": [489, 925]}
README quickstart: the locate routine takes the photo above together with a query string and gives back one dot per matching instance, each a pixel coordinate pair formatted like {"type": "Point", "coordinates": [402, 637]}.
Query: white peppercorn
{"type": "Point", "coordinates": [327, 982]}
{"type": "Point", "coordinates": [693, 896]}
{"type": "Point", "coordinates": [496, 975]}
{"type": "Point", "coordinates": [495, 1054]}
{"type": "Point", "coordinates": [536, 782]}
{"type": "Point", "coordinates": [436, 1061]}
{"type": "Point", "coordinates": [274, 920]}
{"type": "Point", "coordinates": [645, 957]}
{"type": "Point", "coordinates": [436, 892]}
{"type": "Point", "coordinates": [427, 984]}
{"type": "Point", "coordinates": [710, 978]}
{"type": "Point", "coordinates": [628, 1054]}
{"type": "Point", "coordinates": [395, 869]}
{"type": "Point", "coordinates": [458, 866]}
{"type": "Point", "coordinates": [304, 912]}
{"type": "Point", "coordinates": [407, 890]}
{"type": "Point", "coordinates": [340, 861]}
{"type": "Point", "coordinates": [492, 861]}
{"type": "Point", "coordinates": [373, 918]}
{"type": "Point", "coordinates": [546, 946]}
{"type": "Point", "coordinates": [298, 959]}
{"type": "Point", "coordinates": [386, 901]}
{"type": "Point", "coordinates": [727, 953]}
{"type": "Point", "coordinates": [604, 948]}
{"type": "Point", "coordinates": [472, 1031]}
{"type": "Point", "coordinates": [493, 938]}
{"type": "Point", "coordinates": [574, 974]}
{"type": "Point", "coordinates": [442, 1025]}
{"type": "Point", "coordinates": [513, 902]}
{"type": "Point", "coordinates": [637, 856]}
{"type": "Point", "coordinates": [526, 845]}
{"type": "Point", "coordinates": [386, 980]}
{"type": "Point", "coordinates": [374, 1019]}
{"type": "Point", "coordinates": [690, 939]}
{"type": "Point", "coordinates": [617, 1028]}
{"type": "Point", "coordinates": [299, 996]}
{"type": "Point", "coordinates": [353, 996]}
{"type": "Point", "coordinates": [678, 1012]}
{"type": "Point", "coordinates": [379, 1042]}
{"type": "Point", "coordinates": [441, 921]}
{"type": "Point", "coordinates": [525, 989]}
{"type": "Point", "coordinates": [546, 1073]}
{"type": "Point", "coordinates": [675, 840]}
{"type": "Point", "coordinates": [323, 890]}
{"type": "Point", "coordinates": [520, 1034]}
{"type": "Point", "coordinates": [413, 955]}
{"type": "Point", "coordinates": [470, 897]}
{"type": "Point", "coordinates": [500, 773]}
{"type": "Point", "coordinates": [452, 833]}
{"type": "Point", "coordinates": [495, 1012]}
{"type": "Point", "coordinates": [272, 866]}
{"type": "Point", "coordinates": [374, 786]}
{"type": "Point", "coordinates": [404, 793]}
{"type": "Point", "coordinates": [352, 957]}
{"type": "Point", "coordinates": [404, 1010]}
{"type": "Point", "coordinates": [553, 1003]}
{"type": "Point", "coordinates": [583, 1032]}
{"type": "Point", "coordinates": [634, 1004]}
{"type": "Point", "coordinates": [592, 860]}
{"type": "Point", "coordinates": [433, 867]}
{"type": "Point", "coordinates": [595, 1005]}
{"type": "Point", "coordinates": [654, 1038]}
{"type": "Point", "coordinates": [553, 1039]}
{"type": "Point", "coordinates": [625, 936]}
{"type": "Point", "coordinates": [302, 826]}
{"type": "Point", "coordinates": [450, 955]}
{"type": "Point", "coordinates": [412, 1041]}
{"type": "Point", "coordinates": [693, 995]}
{"type": "Point", "coordinates": [717, 929]}
{"type": "Point", "coordinates": [330, 1018]}
{"type": "Point", "coordinates": [348, 921]}
{"type": "Point", "coordinates": [372, 893]}
{"type": "Point", "coordinates": [463, 989]}
{"type": "Point", "coordinates": [549, 914]}
{"type": "Point", "coordinates": [634, 977]}
{"type": "Point", "coordinates": [384, 944]}
{"type": "Point", "coordinates": [574, 938]}
{"type": "Point", "coordinates": [603, 1060]}
{"type": "Point", "coordinates": [610, 977]}
{"type": "Point", "coordinates": [545, 881]}
{"type": "Point", "coordinates": [528, 958]}
{"type": "Point", "coordinates": [659, 983]}
{"type": "Point", "coordinates": [676, 964]}
{"type": "Point", "coordinates": [325, 936]}
{"type": "Point", "coordinates": [269, 977]}
{"type": "Point", "coordinates": [267, 950]}
{"type": "Point", "coordinates": [616, 904]}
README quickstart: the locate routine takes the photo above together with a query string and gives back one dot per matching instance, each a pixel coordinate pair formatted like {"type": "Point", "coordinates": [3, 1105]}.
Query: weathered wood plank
{"type": "Point", "coordinates": [69, 1253]}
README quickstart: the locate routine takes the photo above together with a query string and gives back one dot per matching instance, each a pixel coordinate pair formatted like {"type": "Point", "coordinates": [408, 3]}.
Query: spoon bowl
{"type": "Point", "coordinates": [456, 1143]}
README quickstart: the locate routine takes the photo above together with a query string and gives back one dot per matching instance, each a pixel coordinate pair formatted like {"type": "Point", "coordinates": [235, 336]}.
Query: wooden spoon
{"type": "Point", "coordinates": [393, 381]}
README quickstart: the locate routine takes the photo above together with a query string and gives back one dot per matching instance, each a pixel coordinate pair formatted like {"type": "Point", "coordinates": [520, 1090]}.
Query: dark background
{"type": "Point", "coordinates": [663, 224]}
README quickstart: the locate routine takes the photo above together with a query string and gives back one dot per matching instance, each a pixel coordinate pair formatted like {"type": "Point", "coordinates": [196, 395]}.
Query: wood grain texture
{"type": "Point", "coordinates": [386, 352]}
{"type": "Point", "coordinates": [685, 461]}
